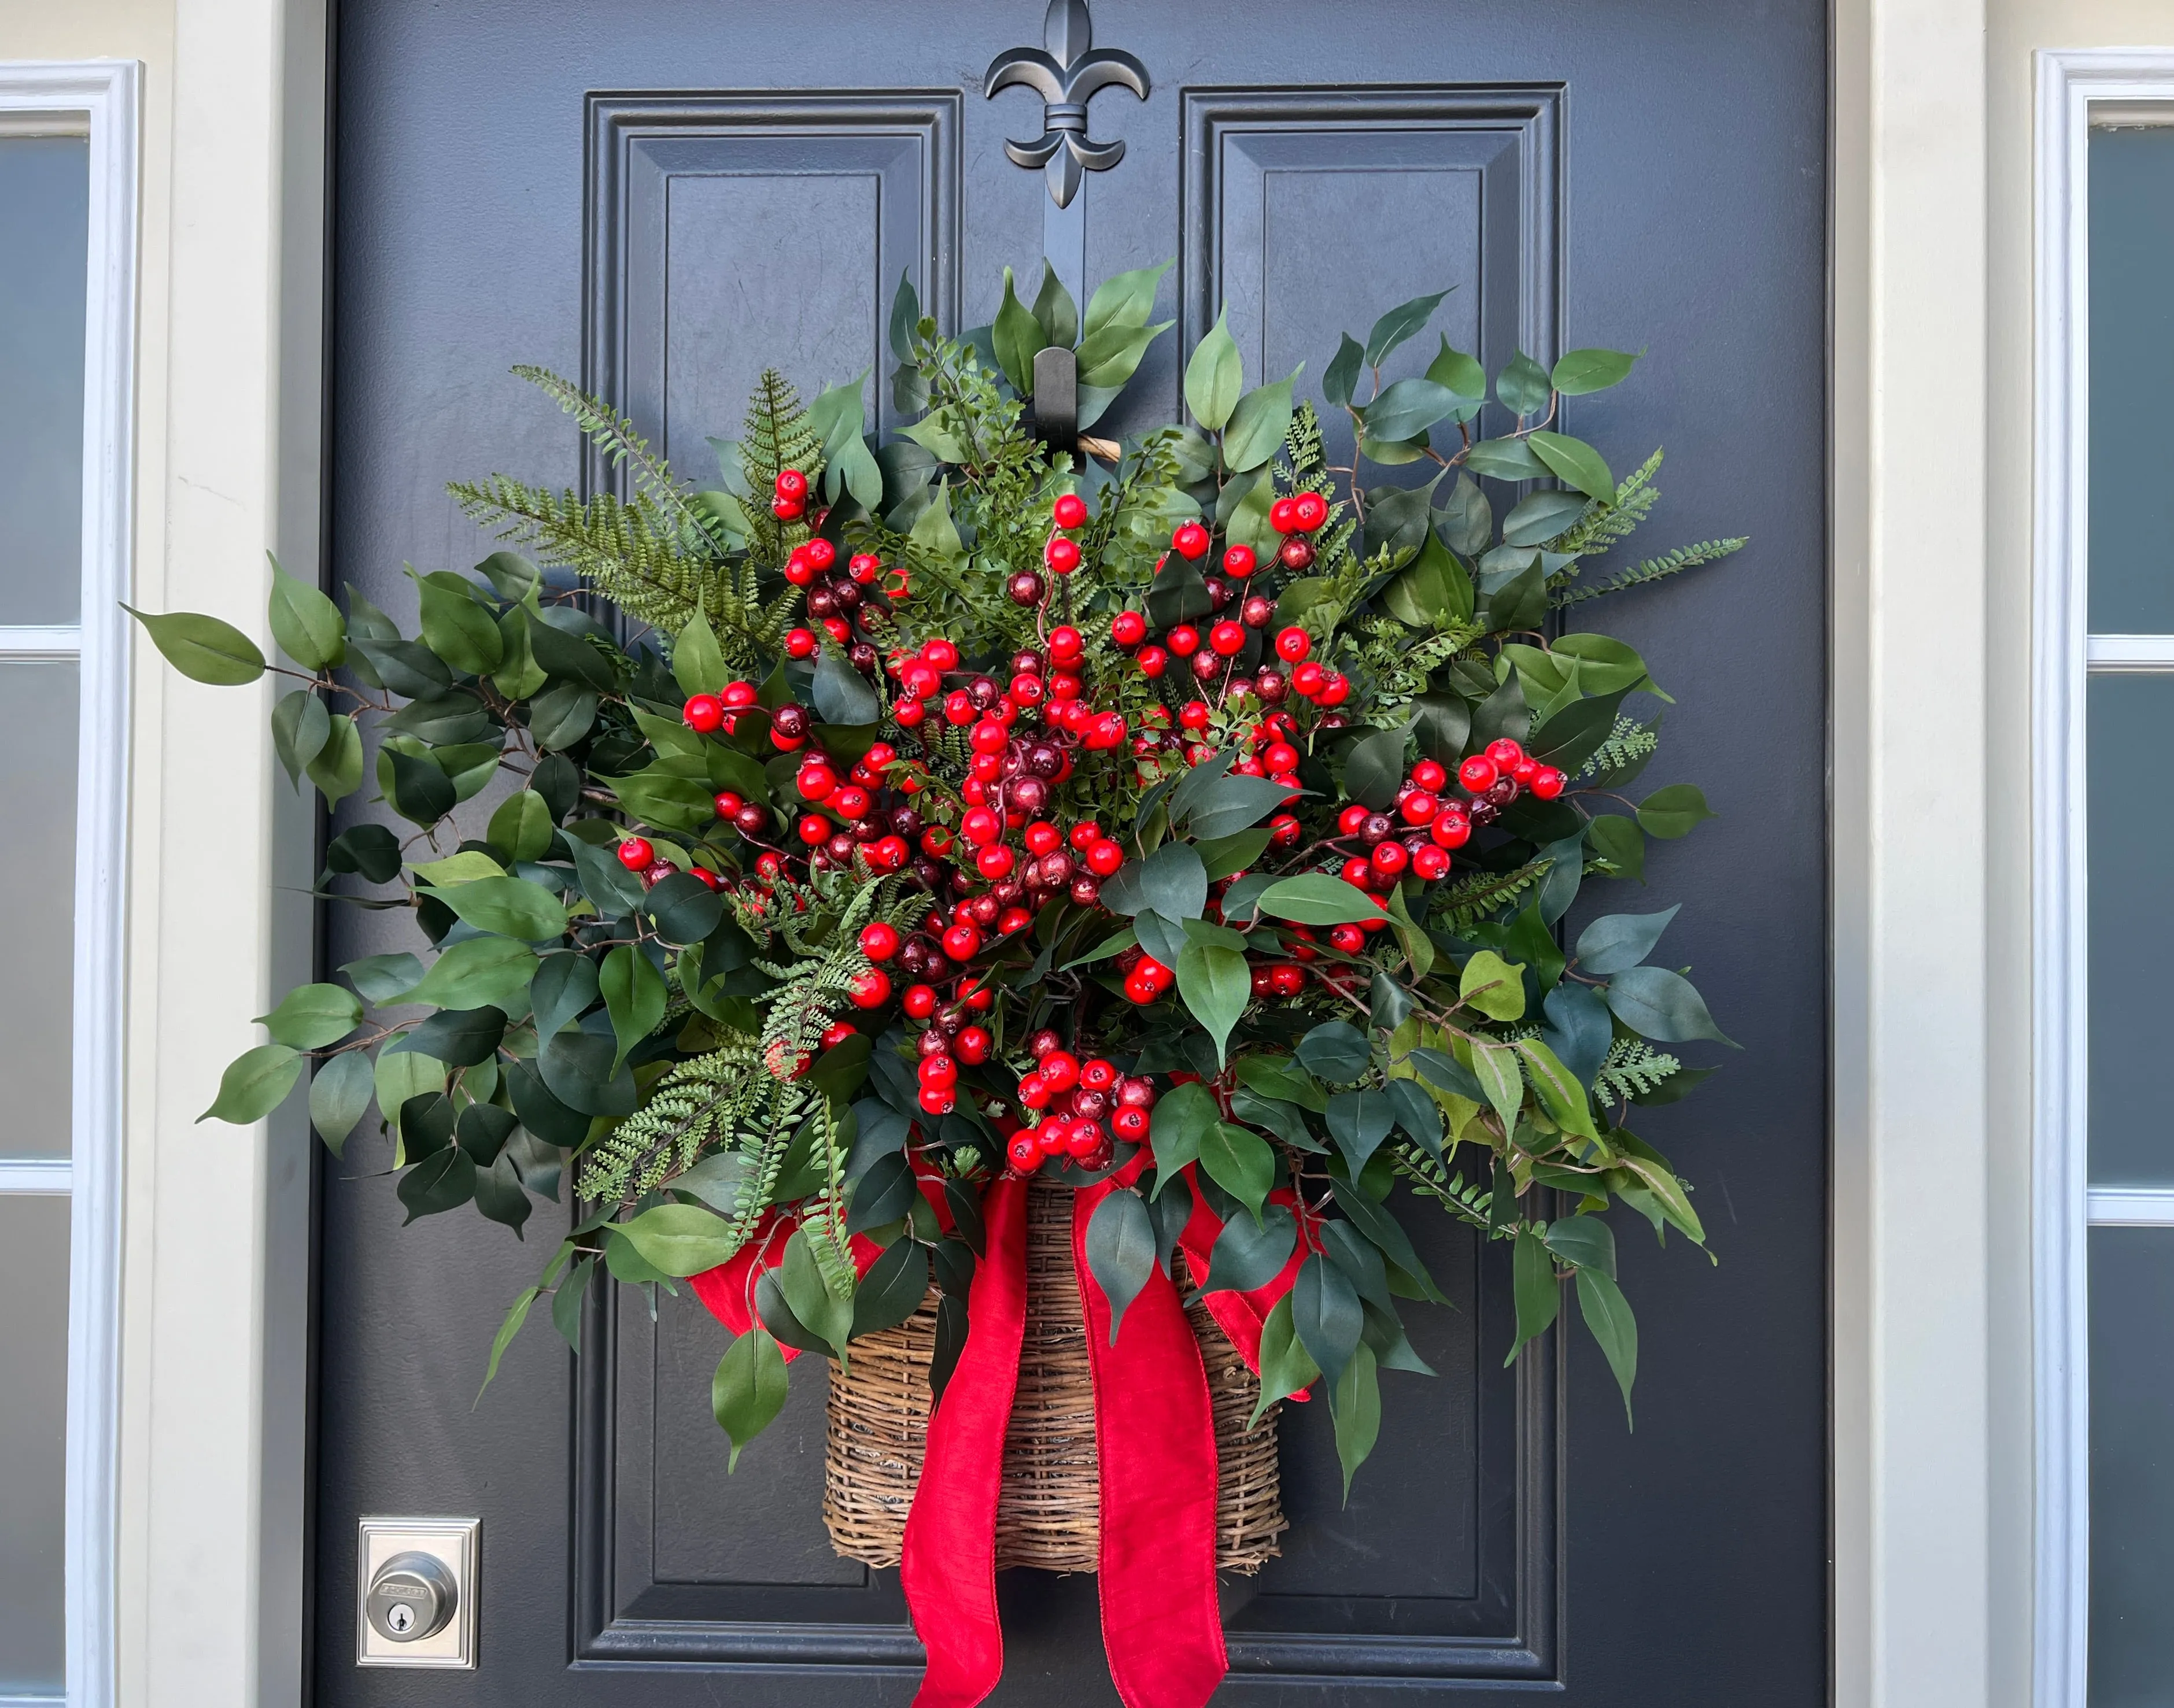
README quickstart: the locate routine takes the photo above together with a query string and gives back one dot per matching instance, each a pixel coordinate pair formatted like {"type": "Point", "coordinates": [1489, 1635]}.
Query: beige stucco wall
{"type": "Point", "coordinates": [1933, 269]}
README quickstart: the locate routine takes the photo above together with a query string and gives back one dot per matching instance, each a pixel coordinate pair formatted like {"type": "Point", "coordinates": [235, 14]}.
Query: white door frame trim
{"type": "Point", "coordinates": [2071, 84]}
{"type": "Point", "coordinates": [98, 98]}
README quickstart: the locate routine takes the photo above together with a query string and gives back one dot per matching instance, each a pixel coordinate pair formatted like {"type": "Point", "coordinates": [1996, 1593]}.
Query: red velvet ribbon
{"type": "Point", "coordinates": [1154, 1439]}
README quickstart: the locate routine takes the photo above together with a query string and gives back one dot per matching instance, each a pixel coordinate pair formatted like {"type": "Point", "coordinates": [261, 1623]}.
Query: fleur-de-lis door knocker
{"type": "Point", "coordinates": [1066, 74]}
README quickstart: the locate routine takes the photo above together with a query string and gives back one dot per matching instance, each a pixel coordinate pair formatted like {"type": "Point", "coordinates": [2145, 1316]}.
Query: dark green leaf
{"type": "Point", "coordinates": [1672, 812]}
{"type": "Point", "coordinates": [541, 1110]}
{"type": "Point", "coordinates": [1214, 377]}
{"type": "Point", "coordinates": [893, 1289]}
{"type": "Point", "coordinates": [421, 793]}
{"type": "Point", "coordinates": [1445, 1073]}
{"type": "Point", "coordinates": [520, 827]}
{"type": "Point", "coordinates": [1577, 1030]}
{"type": "Point", "coordinates": [307, 626]}
{"type": "Point", "coordinates": [1433, 592]}
{"type": "Point", "coordinates": [561, 716]}
{"type": "Point", "coordinates": [255, 1084]}
{"type": "Point", "coordinates": [1172, 881]}
{"type": "Point", "coordinates": [1240, 1162]}
{"type": "Point", "coordinates": [1231, 804]}
{"type": "Point", "coordinates": [1576, 461]}
{"type": "Point", "coordinates": [557, 641]}
{"type": "Point", "coordinates": [1465, 518]}
{"type": "Point", "coordinates": [1407, 409]}
{"type": "Point", "coordinates": [951, 1342]}
{"type": "Point", "coordinates": [481, 1130]}
{"type": "Point", "coordinates": [683, 909]}
{"type": "Point", "coordinates": [1538, 1294]}
{"type": "Point", "coordinates": [1586, 1241]}
{"type": "Point", "coordinates": [510, 906]}
{"type": "Point", "coordinates": [1227, 855]}
{"type": "Point", "coordinates": [1400, 323]}
{"type": "Point", "coordinates": [1418, 1114]}
{"type": "Point", "coordinates": [443, 1180]}
{"type": "Point", "coordinates": [884, 1193]}
{"type": "Point", "coordinates": [1502, 714]}
{"type": "Point", "coordinates": [1620, 941]}
{"type": "Point", "coordinates": [841, 694]}
{"type": "Point", "coordinates": [1054, 310]}
{"type": "Point", "coordinates": [1505, 459]}
{"type": "Point", "coordinates": [1381, 1226]}
{"type": "Point", "coordinates": [1359, 1121]}
{"type": "Point", "coordinates": [1341, 376]}
{"type": "Point", "coordinates": [1169, 1209]}
{"type": "Point", "coordinates": [566, 1302]}
{"type": "Point", "coordinates": [370, 851]}
{"type": "Point", "coordinates": [1523, 385]}
{"type": "Point", "coordinates": [459, 1037]}
{"type": "Point", "coordinates": [1659, 1004]}
{"type": "Point", "coordinates": [1181, 1118]}
{"type": "Point", "coordinates": [1121, 1252]}
{"type": "Point", "coordinates": [1620, 842]}
{"type": "Point", "coordinates": [1247, 1254]}
{"type": "Point", "coordinates": [202, 648]}
{"type": "Point", "coordinates": [563, 988]}
{"type": "Point", "coordinates": [1574, 734]}
{"type": "Point", "coordinates": [1334, 1051]}
{"type": "Point", "coordinates": [1607, 1313]}
{"type": "Point", "coordinates": [1286, 1367]}
{"type": "Point", "coordinates": [679, 1239]}
{"type": "Point", "coordinates": [1442, 725]}
{"type": "Point", "coordinates": [582, 1071]}
{"type": "Point", "coordinates": [1541, 517]}
{"type": "Point", "coordinates": [1257, 425]}
{"type": "Point", "coordinates": [635, 997]}
{"type": "Point", "coordinates": [458, 629]}
{"type": "Point", "coordinates": [748, 1390]}
{"type": "Point", "coordinates": [1216, 986]}
{"type": "Point", "coordinates": [821, 1312]}
{"type": "Point", "coordinates": [1375, 767]}
{"type": "Point", "coordinates": [1325, 1312]}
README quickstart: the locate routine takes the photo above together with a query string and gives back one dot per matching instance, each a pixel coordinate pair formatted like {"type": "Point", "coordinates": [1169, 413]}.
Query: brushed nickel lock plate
{"type": "Point", "coordinates": [415, 1591]}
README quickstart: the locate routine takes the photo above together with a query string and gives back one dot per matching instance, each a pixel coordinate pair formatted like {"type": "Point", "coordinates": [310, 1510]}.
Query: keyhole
{"type": "Point", "coordinates": [401, 1618]}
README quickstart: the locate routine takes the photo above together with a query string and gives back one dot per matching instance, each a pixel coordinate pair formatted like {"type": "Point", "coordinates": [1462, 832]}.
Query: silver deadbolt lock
{"type": "Point", "coordinates": [416, 1582]}
{"type": "Point", "coordinates": [411, 1597]}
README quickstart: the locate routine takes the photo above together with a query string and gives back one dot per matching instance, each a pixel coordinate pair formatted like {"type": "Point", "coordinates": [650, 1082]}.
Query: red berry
{"type": "Point", "coordinates": [962, 943]}
{"type": "Point", "coordinates": [986, 737]}
{"type": "Point", "coordinates": [1296, 554]}
{"type": "Point", "coordinates": [994, 861]}
{"type": "Point", "coordinates": [786, 509]}
{"type": "Point", "coordinates": [972, 1045]}
{"type": "Point", "coordinates": [816, 782]}
{"type": "Point", "coordinates": [980, 826]}
{"type": "Point", "coordinates": [1429, 861]}
{"type": "Point", "coordinates": [1348, 937]}
{"type": "Point", "coordinates": [919, 1000]}
{"type": "Point", "coordinates": [1067, 645]}
{"type": "Point", "coordinates": [1129, 629]}
{"type": "Point", "coordinates": [814, 829]}
{"type": "Point", "coordinates": [1429, 774]}
{"type": "Point", "coordinates": [864, 567]}
{"type": "Point", "coordinates": [909, 713]}
{"type": "Point", "coordinates": [1292, 644]}
{"type": "Point", "coordinates": [878, 941]}
{"type": "Point", "coordinates": [727, 803]}
{"type": "Point", "coordinates": [939, 1070]}
{"type": "Point", "coordinates": [1309, 510]}
{"type": "Point", "coordinates": [1335, 689]}
{"type": "Point", "coordinates": [938, 1100]}
{"type": "Point", "coordinates": [1419, 808]}
{"type": "Point", "coordinates": [1548, 782]}
{"type": "Point", "coordinates": [1240, 562]}
{"type": "Point", "coordinates": [635, 854]}
{"type": "Point", "coordinates": [1350, 820]}
{"type": "Point", "coordinates": [791, 484]}
{"type": "Point", "coordinates": [800, 643]}
{"type": "Point", "coordinates": [1284, 831]}
{"type": "Point", "coordinates": [1283, 516]}
{"type": "Point", "coordinates": [1033, 1094]}
{"type": "Point", "coordinates": [834, 1035]}
{"type": "Point", "coordinates": [870, 989]}
{"type": "Point", "coordinates": [1049, 1138]}
{"type": "Point", "coordinates": [1478, 773]}
{"type": "Point", "coordinates": [1069, 511]}
{"type": "Point", "coordinates": [703, 713]}
{"type": "Point", "coordinates": [1193, 715]}
{"type": "Point", "coordinates": [1227, 639]}
{"type": "Point", "coordinates": [1061, 555]}
{"type": "Point", "coordinates": [1310, 678]}
{"type": "Point", "coordinates": [1153, 661]}
{"type": "Point", "coordinates": [1184, 640]}
{"type": "Point", "coordinates": [1505, 753]}
{"type": "Point", "coordinates": [1451, 830]}
{"type": "Point", "coordinates": [1059, 1070]}
{"type": "Point", "coordinates": [1287, 979]}
{"type": "Point", "coordinates": [1191, 541]}
{"type": "Point", "coordinates": [1025, 1153]}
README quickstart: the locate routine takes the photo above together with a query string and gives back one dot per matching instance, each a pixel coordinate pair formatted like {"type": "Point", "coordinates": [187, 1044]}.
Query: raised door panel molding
{"type": "Point", "coordinates": [734, 230]}
{"type": "Point", "coordinates": [1474, 172]}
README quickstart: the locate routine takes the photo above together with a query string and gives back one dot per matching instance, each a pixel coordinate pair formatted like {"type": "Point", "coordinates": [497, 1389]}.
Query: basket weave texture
{"type": "Point", "coordinates": [1048, 1513]}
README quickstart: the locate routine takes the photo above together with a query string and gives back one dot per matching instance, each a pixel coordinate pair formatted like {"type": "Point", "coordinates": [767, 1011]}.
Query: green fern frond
{"type": "Point", "coordinates": [1633, 1067]}
{"type": "Point", "coordinates": [614, 436]}
{"type": "Point", "coordinates": [1628, 744]}
{"type": "Point", "coordinates": [1601, 525]}
{"type": "Point", "coordinates": [1652, 569]}
{"type": "Point", "coordinates": [1471, 899]}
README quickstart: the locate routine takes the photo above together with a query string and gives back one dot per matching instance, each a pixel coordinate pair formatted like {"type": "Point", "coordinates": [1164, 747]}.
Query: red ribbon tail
{"type": "Point", "coordinates": [949, 1568]}
{"type": "Point", "coordinates": [1155, 1440]}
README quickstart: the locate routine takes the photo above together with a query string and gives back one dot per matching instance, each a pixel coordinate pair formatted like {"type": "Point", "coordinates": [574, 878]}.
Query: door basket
{"type": "Point", "coordinates": [1048, 1512]}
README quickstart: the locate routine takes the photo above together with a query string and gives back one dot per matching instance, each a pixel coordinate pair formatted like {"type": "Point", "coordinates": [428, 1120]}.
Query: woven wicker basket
{"type": "Point", "coordinates": [1048, 1512]}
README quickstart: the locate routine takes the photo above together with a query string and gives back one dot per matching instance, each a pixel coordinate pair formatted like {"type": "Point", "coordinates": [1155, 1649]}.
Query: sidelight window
{"type": "Point", "coordinates": [67, 222]}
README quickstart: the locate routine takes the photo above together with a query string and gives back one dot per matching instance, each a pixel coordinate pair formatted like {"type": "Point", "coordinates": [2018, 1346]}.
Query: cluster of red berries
{"type": "Point", "coordinates": [1060, 552]}
{"type": "Point", "coordinates": [1426, 823]}
{"type": "Point", "coordinates": [639, 855]}
{"type": "Point", "coordinates": [1080, 1109]}
{"type": "Point", "coordinates": [789, 496]}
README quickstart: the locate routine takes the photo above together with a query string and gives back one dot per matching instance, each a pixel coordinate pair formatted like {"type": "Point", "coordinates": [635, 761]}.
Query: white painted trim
{"type": "Point", "coordinates": [37, 1176]}
{"type": "Point", "coordinates": [2105, 654]}
{"type": "Point", "coordinates": [2131, 1206]}
{"type": "Point", "coordinates": [27, 640]}
{"type": "Point", "coordinates": [103, 96]}
{"type": "Point", "coordinates": [2070, 82]}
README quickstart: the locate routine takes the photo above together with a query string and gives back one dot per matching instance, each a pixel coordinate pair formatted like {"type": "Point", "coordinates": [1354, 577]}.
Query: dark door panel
{"type": "Point", "coordinates": [661, 198]}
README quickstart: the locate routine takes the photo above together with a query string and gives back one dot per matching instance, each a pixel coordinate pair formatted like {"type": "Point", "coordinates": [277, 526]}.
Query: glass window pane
{"type": "Point", "coordinates": [2131, 1279]}
{"type": "Point", "coordinates": [37, 863]}
{"type": "Point", "coordinates": [33, 1247]}
{"type": "Point", "coordinates": [45, 227]}
{"type": "Point", "coordinates": [2130, 799]}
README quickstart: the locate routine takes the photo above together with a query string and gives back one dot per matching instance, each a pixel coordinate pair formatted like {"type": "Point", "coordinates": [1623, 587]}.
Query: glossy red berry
{"type": "Point", "coordinates": [962, 943]}
{"type": "Point", "coordinates": [835, 1035]}
{"type": "Point", "coordinates": [1061, 555]}
{"type": "Point", "coordinates": [1227, 639]}
{"type": "Point", "coordinates": [1348, 937]}
{"type": "Point", "coordinates": [1191, 541]}
{"type": "Point", "coordinates": [791, 484]}
{"type": "Point", "coordinates": [1419, 808]}
{"type": "Point", "coordinates": [1069, 511]}
{"type": "Point", "coordinates": [1429, 774]}
{"type": "Point", "coordinates": [1153, 661]}
{"type": "Point", "coordinates": [1193, 715]}
{"type": "Point", "coordinates": [1309, 510]}
{"type": "Point", "coordinates": [1283, 516]}
{"type": "Point", "coordinates": [1059, 1070]}
{"type": "Point", "coordinates": [816, 783]}
{"type": "Point", "coordinates": [1024, 1155]}
{"type": "Point", "coordinates": [800, 643]}
{"type": "Point", "coordinates": [1292, 646]}
{"type": "Point", "coordinates": [870, 989]}
{"type": "Point", "coordinates": [814, 829]}
{"type": "Point", "coordinates": [1478, 773]}
{"type": "Point", "coordinates": [1335, 689]}
{"type": "Point", "coordinates": [1285, 831]}
{"type": "Point", "coordinates": [1240, 561]}
{"type": "Point", "coordinates": [1310, 678]}
{"type": "Point", "coordinates": [1287, 979]}
{"type": "Point", "coordinates": [865, 567]}
{"type": "Point", "coordinates": [823, 553]}
{"type": "Point", "coordinates": [1129, 629]}
{"type": "Point", "coordinates": [1429, 861]}
{"type": "Point", "coordinates": [1451, 830]}
{"type": "Point", "coordinates": [636, 854]}
{"type": "Point", "coordinates": [1184, 640]}
{"type": "Point", "coordinates": [703, 712]}
{"type": "Point", "coordinates": [880, 941]}
{"type": "Point", "coordinates": [1296, 554]}
{"type": "Point", "coordinates": [919, 1000]}
{"type": "Point", "coordinates": [1548, 783]}
{"type": "Point", "coordinates": [1104, 858]}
